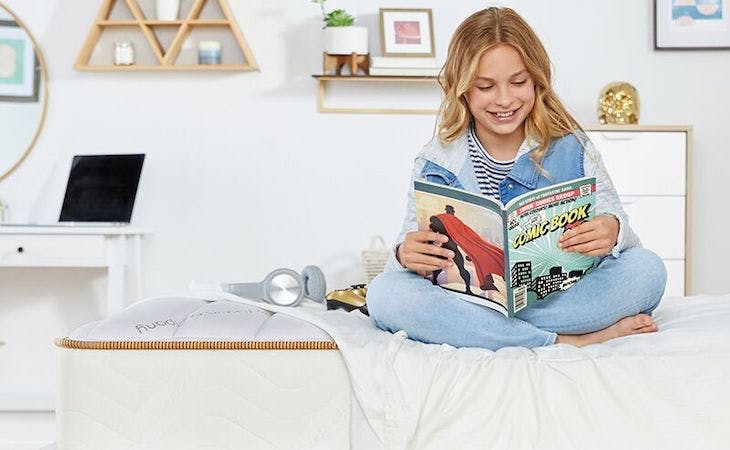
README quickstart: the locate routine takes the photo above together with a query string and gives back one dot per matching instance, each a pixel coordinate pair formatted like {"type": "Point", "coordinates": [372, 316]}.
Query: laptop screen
{"type": "Point", "coordinates": [102, 188]}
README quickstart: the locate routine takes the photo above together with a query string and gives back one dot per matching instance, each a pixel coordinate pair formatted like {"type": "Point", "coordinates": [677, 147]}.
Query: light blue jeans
{"type": "Point", "coordinates": [617, 288]}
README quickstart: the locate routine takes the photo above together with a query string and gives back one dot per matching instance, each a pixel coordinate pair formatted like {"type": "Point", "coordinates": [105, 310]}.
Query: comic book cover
{"type": "Point", "coordinates": [506, 257]}
{"type": "Point", "coordinates": [536, 220]}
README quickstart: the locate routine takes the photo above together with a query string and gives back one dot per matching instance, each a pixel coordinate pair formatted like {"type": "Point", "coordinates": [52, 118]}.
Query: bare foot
{"type": "Point", "coordinates": [640, 323]}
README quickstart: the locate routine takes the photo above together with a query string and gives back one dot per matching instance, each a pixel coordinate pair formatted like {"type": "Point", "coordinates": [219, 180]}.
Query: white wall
{"type": "Point", "coordinates": [243, 175]}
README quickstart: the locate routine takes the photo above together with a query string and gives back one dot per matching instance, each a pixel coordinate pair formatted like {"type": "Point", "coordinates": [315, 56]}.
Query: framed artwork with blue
{"type": "Point", "coordinates": [691, 24]}
{"type": "Point", "coordinates": [19, 67]}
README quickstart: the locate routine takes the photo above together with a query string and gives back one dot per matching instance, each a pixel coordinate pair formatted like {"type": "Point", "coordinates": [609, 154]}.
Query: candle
{"type": "Point", "coordinates": [209, 52]}
{"type": "Point", "coordinates": [123, 53]}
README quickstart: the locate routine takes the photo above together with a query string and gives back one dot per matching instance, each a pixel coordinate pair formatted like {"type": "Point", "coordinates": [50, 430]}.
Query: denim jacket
{"type": "Point", "coordinates": [565, 159]}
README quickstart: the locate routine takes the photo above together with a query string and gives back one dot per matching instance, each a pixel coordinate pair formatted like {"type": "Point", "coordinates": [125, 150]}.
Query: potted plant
{"type": "Point", "coordinates": [340, 36]}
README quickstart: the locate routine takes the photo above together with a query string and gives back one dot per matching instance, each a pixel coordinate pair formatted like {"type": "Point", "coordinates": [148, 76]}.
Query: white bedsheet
{"type": "Point", "coordinates": [662, 390]}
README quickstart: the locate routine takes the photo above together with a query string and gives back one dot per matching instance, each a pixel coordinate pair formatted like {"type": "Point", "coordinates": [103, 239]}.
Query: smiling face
{"type": "Point", "coordinates": [501, 99]}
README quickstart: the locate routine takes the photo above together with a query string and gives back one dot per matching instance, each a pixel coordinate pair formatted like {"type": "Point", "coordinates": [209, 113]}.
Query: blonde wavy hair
{"type": "Point", "coordinates": [481, 31]}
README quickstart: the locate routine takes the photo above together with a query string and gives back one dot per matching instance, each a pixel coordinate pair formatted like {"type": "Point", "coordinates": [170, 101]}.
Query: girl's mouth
{"type": "Point", "coordinates": [503, 117]}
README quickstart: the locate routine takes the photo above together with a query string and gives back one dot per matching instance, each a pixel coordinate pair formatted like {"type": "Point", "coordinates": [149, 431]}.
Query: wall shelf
{"type": "Point", "coordinates": [164, 45]}
{"type": "Point", "coordinates": [323, 80]}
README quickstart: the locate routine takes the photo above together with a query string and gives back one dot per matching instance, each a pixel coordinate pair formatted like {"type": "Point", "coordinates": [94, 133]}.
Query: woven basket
{"type": "Point", "coordinates": [374, 258]}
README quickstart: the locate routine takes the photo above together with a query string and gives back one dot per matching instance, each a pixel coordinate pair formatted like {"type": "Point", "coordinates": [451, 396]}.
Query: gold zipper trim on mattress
{"type": "Point", "coordinates": [196, 345]}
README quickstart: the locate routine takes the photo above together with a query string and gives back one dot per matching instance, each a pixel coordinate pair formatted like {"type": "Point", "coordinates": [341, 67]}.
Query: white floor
{"type": "Point", "coordinates": [26, 430]}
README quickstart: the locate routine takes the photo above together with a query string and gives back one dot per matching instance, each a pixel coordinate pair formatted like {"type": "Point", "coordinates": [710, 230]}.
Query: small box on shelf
{"type": "Point", "coordinates": [402, 61]}
{"type": "Point", "coordinates": [404, 66]}
{"type": "Point", "coordinates": [405, 71]}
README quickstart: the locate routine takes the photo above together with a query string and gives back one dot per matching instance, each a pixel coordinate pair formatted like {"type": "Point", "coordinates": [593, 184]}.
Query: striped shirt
{"type": "Point", "coordinates": [489, 171]}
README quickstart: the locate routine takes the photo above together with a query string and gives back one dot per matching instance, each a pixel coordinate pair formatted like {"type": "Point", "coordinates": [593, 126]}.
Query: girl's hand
{"type": "Point", "coordinates": [421, 252]}
{"type": "Point", "coordinates": [593, 238]}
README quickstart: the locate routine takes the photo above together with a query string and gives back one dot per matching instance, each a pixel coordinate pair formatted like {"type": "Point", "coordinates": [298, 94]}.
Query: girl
{"type": "Point", "coordinates": [501, 132]}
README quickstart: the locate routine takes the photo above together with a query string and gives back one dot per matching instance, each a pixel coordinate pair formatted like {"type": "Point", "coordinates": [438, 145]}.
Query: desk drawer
{"type": "Point", "coordinates": [19, 248]}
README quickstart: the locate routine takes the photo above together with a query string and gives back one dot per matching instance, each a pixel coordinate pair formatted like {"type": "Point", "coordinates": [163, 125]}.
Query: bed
{"type": "Point", "coordinates": [187, 372]}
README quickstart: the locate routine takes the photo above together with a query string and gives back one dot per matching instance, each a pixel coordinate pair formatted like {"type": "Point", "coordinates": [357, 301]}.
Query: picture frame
{"type": "Point", "coordinates": [406, 32]}
{"type": "Point", "coordinates": [19, 65]}
{"type": "Point", "coordinates": [691, 24]}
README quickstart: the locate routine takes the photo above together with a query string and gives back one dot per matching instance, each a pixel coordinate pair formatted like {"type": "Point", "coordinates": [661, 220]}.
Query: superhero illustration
{"type": "Point", "coordinates": [487, 258]}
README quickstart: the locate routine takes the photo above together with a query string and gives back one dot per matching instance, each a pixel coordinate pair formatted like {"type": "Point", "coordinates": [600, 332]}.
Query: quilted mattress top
{"type": "Point", "coordinates": [187, 319]}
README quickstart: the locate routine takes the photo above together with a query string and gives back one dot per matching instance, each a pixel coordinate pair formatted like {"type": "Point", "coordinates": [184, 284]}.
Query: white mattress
{"type": "Point", "coordinates": [655, 391]}
{"type": "Point", "coordinates": [201, 399]}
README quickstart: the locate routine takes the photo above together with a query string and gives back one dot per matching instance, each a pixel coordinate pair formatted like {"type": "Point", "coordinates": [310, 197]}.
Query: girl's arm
{"type": "Point", "coordinates": [418, 251]}
{"type": "Point", "coordinates": [410, 223]}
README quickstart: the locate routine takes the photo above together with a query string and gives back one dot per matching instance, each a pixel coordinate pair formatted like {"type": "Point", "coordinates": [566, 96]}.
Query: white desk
{"type": "Point", "coordinates": [44, 246]}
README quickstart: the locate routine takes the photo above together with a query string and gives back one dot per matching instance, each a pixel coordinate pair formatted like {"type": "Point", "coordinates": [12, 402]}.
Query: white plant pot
{"type": "Point", "coordinates": [167, 9]}
{"type": "Point", "coordinates": [345, 40]}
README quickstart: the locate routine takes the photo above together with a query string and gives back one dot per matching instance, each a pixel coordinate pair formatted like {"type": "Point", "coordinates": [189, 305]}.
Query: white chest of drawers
{"type": "Point", "coordinates": [649, 167]}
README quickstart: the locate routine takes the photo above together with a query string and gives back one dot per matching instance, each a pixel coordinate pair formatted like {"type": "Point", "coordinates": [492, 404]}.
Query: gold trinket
{"type": "Point", "coordinates": [618, 104]}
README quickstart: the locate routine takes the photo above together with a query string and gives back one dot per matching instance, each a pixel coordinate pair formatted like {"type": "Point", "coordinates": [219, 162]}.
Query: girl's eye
{"type": "Point", "coordinates": [484, 88]}
{"type": "Point", "coordinates": [519, 83]}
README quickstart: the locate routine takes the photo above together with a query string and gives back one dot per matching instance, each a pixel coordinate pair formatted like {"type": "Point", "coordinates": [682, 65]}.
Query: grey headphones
{"type": "Point", "coordinates": [283, 287]}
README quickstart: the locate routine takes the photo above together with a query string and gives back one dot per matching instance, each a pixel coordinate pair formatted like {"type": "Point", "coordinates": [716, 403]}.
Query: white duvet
{"type": "Point", "coordinates": [669, 389]}
{"type": "Point", "coordinates": [663, 390]}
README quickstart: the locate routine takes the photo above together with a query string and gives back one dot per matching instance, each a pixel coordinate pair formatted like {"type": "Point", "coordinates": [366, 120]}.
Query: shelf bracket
{"type": "Point", "coordinates": [322, 81]}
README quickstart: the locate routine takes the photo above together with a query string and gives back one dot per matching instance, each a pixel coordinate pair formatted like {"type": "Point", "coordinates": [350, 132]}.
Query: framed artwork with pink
{"type": "Point", "coordinates": [406, 32]}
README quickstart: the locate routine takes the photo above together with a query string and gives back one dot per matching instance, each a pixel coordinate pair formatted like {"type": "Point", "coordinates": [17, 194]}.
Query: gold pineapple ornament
{"type": "Point", "coordinates": [618, 104]}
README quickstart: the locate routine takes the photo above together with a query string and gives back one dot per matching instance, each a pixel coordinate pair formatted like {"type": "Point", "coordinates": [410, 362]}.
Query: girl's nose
{"type": "Point", "coordinates": [504, 99]}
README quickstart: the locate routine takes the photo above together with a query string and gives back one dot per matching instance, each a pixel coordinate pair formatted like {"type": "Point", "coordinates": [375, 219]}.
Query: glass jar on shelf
{"type": "Point", "coordinates": [123, 53]}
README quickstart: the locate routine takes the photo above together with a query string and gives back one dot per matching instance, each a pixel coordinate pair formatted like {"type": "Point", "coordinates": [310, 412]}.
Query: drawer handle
{"type": "Point", "coordinates": [619, 136]}
{"type": "Point", "coordinates": [21, 249]}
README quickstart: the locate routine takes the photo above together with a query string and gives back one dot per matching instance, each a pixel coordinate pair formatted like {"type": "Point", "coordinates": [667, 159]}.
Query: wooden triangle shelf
{"type": "Point", "coordinates": [163, 45]}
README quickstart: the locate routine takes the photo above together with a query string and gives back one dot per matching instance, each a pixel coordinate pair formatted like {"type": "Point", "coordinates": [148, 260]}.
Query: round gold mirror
{"type": "Point", "coordinates": [23, 91]}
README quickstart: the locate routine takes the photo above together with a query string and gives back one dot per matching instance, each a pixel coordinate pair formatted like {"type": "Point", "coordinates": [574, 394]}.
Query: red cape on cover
{"type": "Point", "coordinates": [486, 257]}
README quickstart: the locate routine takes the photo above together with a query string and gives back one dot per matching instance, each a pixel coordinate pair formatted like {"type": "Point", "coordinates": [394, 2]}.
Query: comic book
{"type": "Point", "coordinates": [507, 257]}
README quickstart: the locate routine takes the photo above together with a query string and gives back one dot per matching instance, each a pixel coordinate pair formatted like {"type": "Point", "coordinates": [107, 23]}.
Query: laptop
{"type": "Point", "coordinates": [101, 191]}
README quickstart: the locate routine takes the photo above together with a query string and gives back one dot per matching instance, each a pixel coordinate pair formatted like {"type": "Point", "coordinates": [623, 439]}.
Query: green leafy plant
{"type": "Point", "coordinates": [335, 18]}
